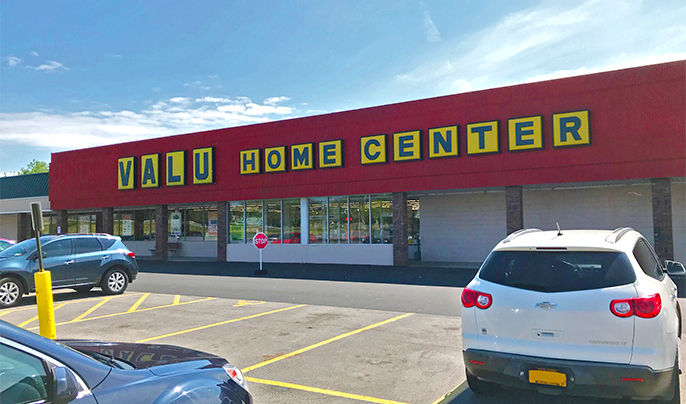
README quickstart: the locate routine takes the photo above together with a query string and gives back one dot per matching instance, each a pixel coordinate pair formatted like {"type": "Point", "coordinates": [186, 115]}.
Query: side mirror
{"type": "Point", "coordinates": [675, 268]}
{"type": "Point", "coordinates": [66, 387]}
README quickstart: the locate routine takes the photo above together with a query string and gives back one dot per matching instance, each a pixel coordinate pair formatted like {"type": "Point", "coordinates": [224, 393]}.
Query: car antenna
{"type": "Point", "coordinates": [559, 232]}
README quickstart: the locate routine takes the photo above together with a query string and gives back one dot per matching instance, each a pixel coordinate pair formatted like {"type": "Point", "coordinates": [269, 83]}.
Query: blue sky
{"type": "Point", "coordinates": [77, 74]}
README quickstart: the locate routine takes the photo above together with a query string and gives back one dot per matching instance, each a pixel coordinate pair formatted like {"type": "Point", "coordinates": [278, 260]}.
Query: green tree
{"type": "Point", "coordinates": [34, 167]}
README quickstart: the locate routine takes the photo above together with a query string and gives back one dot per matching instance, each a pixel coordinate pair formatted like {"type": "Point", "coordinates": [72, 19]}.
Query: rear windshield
{"type": "Point", "coordinates": [557, 271]}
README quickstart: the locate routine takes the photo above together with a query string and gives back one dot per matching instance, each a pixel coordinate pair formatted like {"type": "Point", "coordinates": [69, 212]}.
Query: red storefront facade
{"type": "Point", "coordinates": [613, 128]}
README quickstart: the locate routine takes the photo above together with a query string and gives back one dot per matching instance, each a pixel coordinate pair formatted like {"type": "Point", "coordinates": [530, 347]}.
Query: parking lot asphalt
{"type": "Point", "coordinates": [291, 352]}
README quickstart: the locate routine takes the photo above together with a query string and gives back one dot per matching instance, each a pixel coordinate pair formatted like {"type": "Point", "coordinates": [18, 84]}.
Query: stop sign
{"type": "Point", "coordinates": [260, 240]}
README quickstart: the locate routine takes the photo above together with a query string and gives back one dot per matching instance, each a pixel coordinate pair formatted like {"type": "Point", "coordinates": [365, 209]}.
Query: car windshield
{"type": "Point", "coordinates": [558, 271]}
{"type": "Point", "coordinates": [24, 247]}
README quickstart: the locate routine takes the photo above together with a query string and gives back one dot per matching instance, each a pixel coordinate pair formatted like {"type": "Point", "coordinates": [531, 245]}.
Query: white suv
{"type": "Point", "coordinates": [579, 312]}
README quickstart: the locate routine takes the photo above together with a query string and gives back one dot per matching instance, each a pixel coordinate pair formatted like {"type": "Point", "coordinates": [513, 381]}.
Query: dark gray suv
{"type": "Point", "coordinates": [76, 261]}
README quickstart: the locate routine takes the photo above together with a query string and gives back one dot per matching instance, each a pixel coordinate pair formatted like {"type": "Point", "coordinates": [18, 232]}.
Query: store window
{"type": "Point", "coordinates": [291, 221]}
{"type": "Point", "coordinates": [237, 223]}
{"type": "Point", "coordinates": [338, 219]}
{"type": "Point", "coordinates": [412, 221]}
{"type": "Point", "coordinates": [197, 223]}
{"type": "Point", "coordinates": [318, 220]}
{"type": "Point", "coordinates": [123, 225]}
{"type": "Point", "coordinates": [211, 228]}
{"type": "Point", "coordinates": [72, 224]}
{"type": "Point", "coordinates": [359, 219]}
{"type": "Point", "coordinates": [49, 224]}
{"type": "Point", "coordinates": [253, 219]}
{"type": "Point", "coordinates": [273, 225]}
{"type": "Point", "coordinates": [382, 220]}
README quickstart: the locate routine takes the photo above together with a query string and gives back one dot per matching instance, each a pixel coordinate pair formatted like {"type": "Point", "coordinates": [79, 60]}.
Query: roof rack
{"type": "Point", "coordinates": [617, 234]}
{"type": "Point", "coordinates": [519, 233]}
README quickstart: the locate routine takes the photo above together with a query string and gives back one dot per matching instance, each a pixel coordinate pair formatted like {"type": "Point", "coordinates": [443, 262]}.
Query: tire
{"type": "Point", "coordinates": [115, 281]}
{"type": "Point", "coordinates": [480, 387]}
{"type": "Point", "coordinates": [83, 289]}
{"type": "Point", "coordinates": [11, 292]}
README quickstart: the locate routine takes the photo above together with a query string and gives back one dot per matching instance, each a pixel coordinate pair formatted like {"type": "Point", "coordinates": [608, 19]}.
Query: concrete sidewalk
{"type": "Point", "coordinates": [423, 274]}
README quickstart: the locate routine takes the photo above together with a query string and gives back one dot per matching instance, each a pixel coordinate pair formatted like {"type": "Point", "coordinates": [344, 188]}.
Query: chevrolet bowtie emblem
{"type": "Point", "coordinates": [546, 305]}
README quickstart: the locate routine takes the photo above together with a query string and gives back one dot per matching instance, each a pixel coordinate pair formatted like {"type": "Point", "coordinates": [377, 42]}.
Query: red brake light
{"type": "Point", "coordinates": [473, 298]}
{"type": "Point", "coordinates": [131, 254]}
{"type": "Point", "coordinates": [644, 307]}
{"type": "Point", "coordinates": [648, 307]}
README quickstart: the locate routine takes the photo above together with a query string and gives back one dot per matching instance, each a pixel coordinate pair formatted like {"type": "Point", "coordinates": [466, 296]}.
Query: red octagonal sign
{"type": "Point", "coordinates": [260, 240]}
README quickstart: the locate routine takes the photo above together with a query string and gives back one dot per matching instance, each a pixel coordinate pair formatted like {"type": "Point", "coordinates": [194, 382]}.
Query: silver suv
{"type": "Point", "coordinates": [76, 261]}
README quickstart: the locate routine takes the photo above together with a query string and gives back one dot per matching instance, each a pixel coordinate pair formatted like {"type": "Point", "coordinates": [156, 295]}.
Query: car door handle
{"type": "Point", "coordinates": [69, 262]}
{"type": "Point", "coordinates": [105, 257]}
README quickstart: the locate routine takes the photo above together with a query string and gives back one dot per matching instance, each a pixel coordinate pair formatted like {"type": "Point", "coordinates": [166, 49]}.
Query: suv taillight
{"type": "Point", "coordinates": [645, 307]}
{"type": "Point", "coordinates": [131, 254]}
{"type": "Point", "coordinates": [474, 298]}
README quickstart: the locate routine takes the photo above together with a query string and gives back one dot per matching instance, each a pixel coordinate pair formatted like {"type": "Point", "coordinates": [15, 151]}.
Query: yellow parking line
{"type": "Point", "coordinates": [317, 345]}
{"type": "Point", "coordinates": [177, 299]}
{"type": "Point", "coordinates": [36, 317]}
{"type": "Point", "coordinates": [33, 306]}
{"type": "Point", "coordinates": [247, 303]}
{"type": "Point", "coordinates": [126, 312]}
{"type": "Point", "coordinates": [322, 391]}
{"type": "Point", "coordinates": [219, 323]}
{"type": "Point", "coordinates": [92, 309]}
{"type": "Point", "coordinates": [450, 396]}
{"type": "Point", "coordinates": [138, 303]}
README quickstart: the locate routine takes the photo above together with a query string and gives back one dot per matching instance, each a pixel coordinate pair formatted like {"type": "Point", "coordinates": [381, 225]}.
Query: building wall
{"type": "Point", "coordinates": [352, 254]}
{"type": "Point", "coordinates": [461, 227]}
{"type": "Point", "coordinates": [679, 219]}
{"type": "Point", "coordinates": [15, 205]}
{"type": "Point", "coordinates": [591, 207]}
{"type": "Point", "coordinates": [8, 226]}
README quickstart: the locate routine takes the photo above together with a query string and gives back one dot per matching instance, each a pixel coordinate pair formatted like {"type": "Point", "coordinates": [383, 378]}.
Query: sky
{"type": "Point", "coordinates": [76, 74]}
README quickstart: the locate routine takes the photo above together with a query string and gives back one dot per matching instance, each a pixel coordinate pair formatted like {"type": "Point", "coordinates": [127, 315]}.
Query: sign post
{"type": "Point", "coordinates": [260, 241]}
{"type": "Point", "coordinates": [42, 279]}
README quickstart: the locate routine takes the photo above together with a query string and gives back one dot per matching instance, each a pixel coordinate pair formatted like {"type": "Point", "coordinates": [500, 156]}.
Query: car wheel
{"type": "Point", "coordinates": [11, 292]}
{"type": "Point", "coordinates": [114, 282]}
{"type": "Point", "coordinates": [480, 386]}
{"type": "Point", "coordinates": [83, 289]}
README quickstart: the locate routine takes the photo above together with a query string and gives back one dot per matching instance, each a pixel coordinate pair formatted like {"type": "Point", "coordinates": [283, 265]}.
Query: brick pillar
{"type": "Point", "coordinates": [222, 229]}
{"type": "Point", "coordinates": [138, 219]}
{"type": "Point", "coordinates": [662, 218]}
{"type": "Point", "coordinates": [24, 227]}
{"type": "Point", "coordinates": [107, 220]}
{"type": "Point", "coordinates": [98, 222]}
{"type": "Point", "coordinates": [63, 221]}
{"type": "Point", "coordinates": [161, 232]}
{"type": "Point", "coordinates": [514, 209]}
{"type": "Point", "coordinates": [400, 229]}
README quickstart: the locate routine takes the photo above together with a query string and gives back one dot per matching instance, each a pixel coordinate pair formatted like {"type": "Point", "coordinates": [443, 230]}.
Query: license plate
{"type": "Point", "coordinates": [548, 377]}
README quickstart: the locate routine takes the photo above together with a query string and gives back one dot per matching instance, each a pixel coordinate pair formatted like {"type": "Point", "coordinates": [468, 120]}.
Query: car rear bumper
{"type": "Point", "coordinates": [582, 378]}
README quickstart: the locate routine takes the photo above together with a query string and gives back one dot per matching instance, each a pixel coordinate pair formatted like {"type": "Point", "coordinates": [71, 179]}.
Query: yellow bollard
{"type": "Point", "coordinates": [46, 312]}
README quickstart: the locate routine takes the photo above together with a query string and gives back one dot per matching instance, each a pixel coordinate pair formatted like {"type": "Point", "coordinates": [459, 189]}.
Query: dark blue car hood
{"type": "Point", "coordinates": [143, 356]}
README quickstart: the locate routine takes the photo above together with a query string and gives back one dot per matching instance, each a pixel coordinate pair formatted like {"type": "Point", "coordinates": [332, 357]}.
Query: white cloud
{"type": "Point", "coordinates": [169, 117]}
{"type": "Point", "coordinates": [50, 66]}
{"type": "Point", "coordinates": [13, 61]}
{"type": "Point", "coordinates": [34, 53]}
{"type": "Point", "coordinates": [275, 100]}
{"type": "Point", "coordinates": [551, 40]}
{"type": "Point", "coordinates": [430, 31]}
